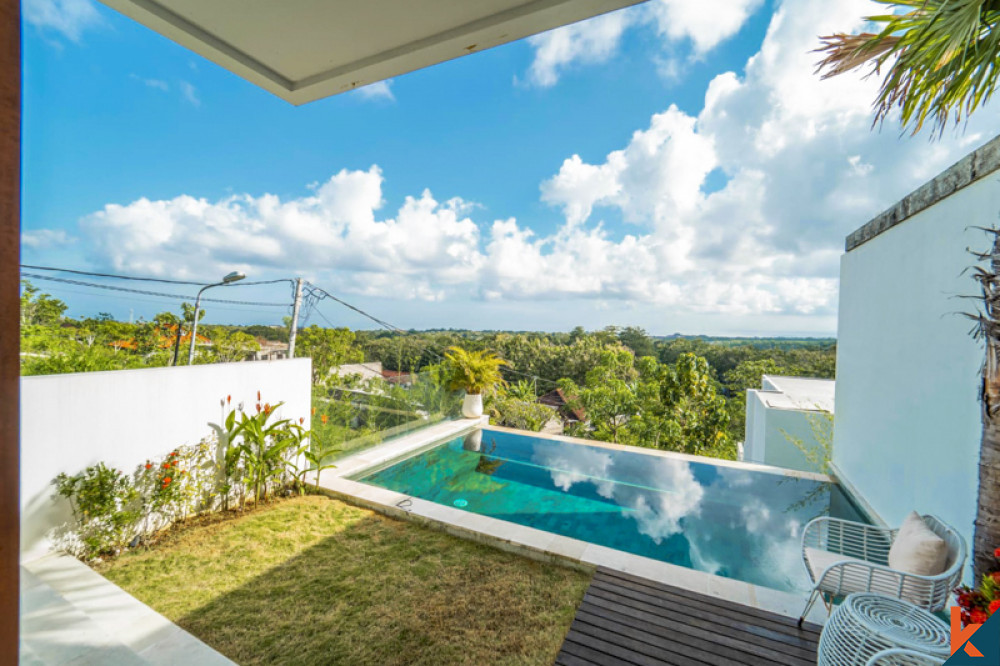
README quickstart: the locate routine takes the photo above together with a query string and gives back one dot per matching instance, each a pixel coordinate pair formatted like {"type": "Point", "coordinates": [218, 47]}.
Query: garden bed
{"type": "Point", "coordinates": [312, 580]}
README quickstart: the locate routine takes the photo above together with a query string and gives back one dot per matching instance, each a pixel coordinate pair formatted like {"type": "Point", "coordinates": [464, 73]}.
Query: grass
{"type": "Point", "coordinates": [312, 580]}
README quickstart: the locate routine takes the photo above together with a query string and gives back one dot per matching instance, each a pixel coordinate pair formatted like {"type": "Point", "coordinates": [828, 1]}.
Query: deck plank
{"type": "Point", "coordinates": [627, 620]}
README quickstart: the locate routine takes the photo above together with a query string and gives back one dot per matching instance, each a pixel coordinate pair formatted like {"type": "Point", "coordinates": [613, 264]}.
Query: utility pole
{"type": "Point", "coordinates": [295, 318]}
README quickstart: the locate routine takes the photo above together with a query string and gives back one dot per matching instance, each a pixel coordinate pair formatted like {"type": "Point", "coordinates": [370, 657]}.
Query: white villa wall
{"type": "Point", "coordinates": [907, 425]}
{"type": "Point", "coordinates": [769, 434]}
{"type": "Point", "coordinates": [122, 418]}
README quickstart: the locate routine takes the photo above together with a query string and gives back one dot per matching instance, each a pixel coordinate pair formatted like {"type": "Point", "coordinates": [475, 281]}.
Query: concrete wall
{"type": "Point", "coordinates": [122, 418]}
{"type": "Point", "coordinates": [768, 431]}
{"type": "Point", "coordinates": [907, 424]}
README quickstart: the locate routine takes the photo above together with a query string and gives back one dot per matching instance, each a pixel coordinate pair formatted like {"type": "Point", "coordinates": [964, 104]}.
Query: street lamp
{"type": "Point", "coordinates": [235, 276]}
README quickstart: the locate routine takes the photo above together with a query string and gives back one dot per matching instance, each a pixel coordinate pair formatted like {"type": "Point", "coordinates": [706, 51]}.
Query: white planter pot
{"type": "Point", "coordinates": [472, 406]}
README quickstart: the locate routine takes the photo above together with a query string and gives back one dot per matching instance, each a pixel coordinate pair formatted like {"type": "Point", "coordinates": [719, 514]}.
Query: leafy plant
{"type": "Point", "coordinates": [473, 371]}
{"type": "Point", "coordinates": [105, 504]}
{"type": "Point", "coordinates": [506, 410]}
{"type": "Point", "coordinates": [264, 447]}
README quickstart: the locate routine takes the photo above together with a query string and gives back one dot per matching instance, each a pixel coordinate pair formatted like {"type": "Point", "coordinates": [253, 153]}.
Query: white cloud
{"type": "Point", "coordinates": [426, 247]}
{"type": "Point", "coordinates": [706, 23]}
{"type": "Point", "coordinates": [67, 17]}
{"type": "Point", "coordinates": [44, 238]}
{"type": "Point", "coordinates": [158, 84]}
{"type": "Point", "coordinates": [793, 168]}
{"type": "Point", "coordinates": [801, 170]}
{"type": "Point", "coordinates": [189, 93]}
{"type": "Point", "coordinates": [591, 41]}
{"type": "Point", "coordinates": [377, 90]}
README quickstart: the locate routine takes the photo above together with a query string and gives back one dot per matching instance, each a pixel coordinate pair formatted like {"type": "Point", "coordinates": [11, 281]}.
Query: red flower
{"type": "Point", "coordinates": [166, 465]}
{"type": "Point", "coordinates": [302, 420]}
{"type": "Point", "coordinates": [977, 616]}
{"type": "Point", "coordinates": [173, 454]}
{"type": "Point", "coordinates": [994, 606]}
{"type": "Point", "coordinates": [996, 553]}
{"type": "Point", "coordinates": [229, 399]}
{"type": "Point", "coordinates": [323, 418]}
{"type": "Point", "coordinates": [166, 480]}
{"type": "Point", "coordinates": [149, 466]}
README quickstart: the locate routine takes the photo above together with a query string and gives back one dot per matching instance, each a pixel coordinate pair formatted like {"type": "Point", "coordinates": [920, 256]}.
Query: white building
{"type": "Point", "coordinates": [789, 422]}
{"type": "Point", "coordinates": [907, 429]}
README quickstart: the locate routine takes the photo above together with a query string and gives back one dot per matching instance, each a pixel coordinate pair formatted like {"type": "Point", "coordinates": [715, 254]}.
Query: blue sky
{"type": "Point", "coordinates": [649, 167]}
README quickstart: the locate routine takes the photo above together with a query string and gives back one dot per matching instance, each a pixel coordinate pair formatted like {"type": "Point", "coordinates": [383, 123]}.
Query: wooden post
{"type": "Point", "coordinates": [10, 319]}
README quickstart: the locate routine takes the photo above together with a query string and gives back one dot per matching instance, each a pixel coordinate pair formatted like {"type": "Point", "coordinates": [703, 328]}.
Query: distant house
{"type": "Point", "coordinates": [396, 377]}
{"type": "Point", "coordinates": [371, 370]}
{"type": "Point", "coordinates": [270, 350]}
{"type": "Point", "coordinates": [558, 401]}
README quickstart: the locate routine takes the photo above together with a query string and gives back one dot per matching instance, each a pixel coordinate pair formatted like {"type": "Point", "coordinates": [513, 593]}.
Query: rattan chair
{"type": "Point", "coordinates": [842, 557]}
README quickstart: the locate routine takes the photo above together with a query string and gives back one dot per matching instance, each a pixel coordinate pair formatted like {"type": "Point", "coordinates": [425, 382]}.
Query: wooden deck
{"type": "Point", "coordinates": [624, 619]}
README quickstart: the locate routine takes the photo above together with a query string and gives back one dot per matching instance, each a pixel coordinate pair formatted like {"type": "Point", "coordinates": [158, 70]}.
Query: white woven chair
{"type": "Point", "coordinates": [900, 657]}
{"type": "Point", "coordinates": [842, 557]}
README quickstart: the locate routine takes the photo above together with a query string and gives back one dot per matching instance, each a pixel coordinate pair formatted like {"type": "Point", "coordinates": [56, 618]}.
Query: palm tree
{"type": "Point", "coordinates": [941, 61]}
{"type": "Point", "coordinates": [473, 371]}
{"type": "Point", "coordinates": [987, 329]}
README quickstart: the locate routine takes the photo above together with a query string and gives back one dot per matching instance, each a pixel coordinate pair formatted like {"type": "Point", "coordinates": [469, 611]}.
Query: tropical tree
{"type": "Point", "coordinates": [39, 309]}
{"type": "Point", "coordinates": [987, 329]}
{"type": "Point", "coordinates": [647, 403]}
{"type": "Point", "coordinates": [328, 348]}
{"type": "Point", "coordinates": [940, 59]}
{"type": "Point", "coordinates": [233, 345]}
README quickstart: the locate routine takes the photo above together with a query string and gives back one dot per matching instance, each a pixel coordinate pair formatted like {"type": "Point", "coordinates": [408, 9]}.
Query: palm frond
{"type": "Point", "coordinates": [940, 59]}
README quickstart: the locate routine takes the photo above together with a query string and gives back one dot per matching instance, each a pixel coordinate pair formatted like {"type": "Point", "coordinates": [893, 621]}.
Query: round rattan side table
{"type": "Point", "coordinates": [866, 624]}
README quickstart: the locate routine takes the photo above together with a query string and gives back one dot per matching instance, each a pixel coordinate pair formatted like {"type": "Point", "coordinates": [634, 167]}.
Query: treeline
{"type": "Point", "coordinates": [548, 360]}
{"type": "Point", "coordinates": [680, 393]}
{"type": "Point", "coordinates": [52, 343]}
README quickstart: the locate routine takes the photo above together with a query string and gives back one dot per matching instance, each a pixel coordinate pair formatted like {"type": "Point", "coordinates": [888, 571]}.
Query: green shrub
{"type": "Point", "coordinates": [106, 505]}
{"type": "Point", "coordinates": [520, 414]}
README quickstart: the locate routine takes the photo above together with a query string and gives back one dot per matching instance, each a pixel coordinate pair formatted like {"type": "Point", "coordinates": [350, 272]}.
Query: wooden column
{"type": "Point", "coordinates": [10, 303]}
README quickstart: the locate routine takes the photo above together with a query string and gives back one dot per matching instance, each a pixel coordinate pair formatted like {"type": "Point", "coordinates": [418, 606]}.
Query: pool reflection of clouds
{"type": "Point", "coordinates": [658, 513]}
{"type": "Point", "coordinates": [733, 522]}
{"type": "Point", "coordinates": [751, 540]}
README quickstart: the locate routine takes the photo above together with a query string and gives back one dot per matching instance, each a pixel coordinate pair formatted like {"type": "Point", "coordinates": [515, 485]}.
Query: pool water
{"type": "Point", "coordinates": [725, 520]}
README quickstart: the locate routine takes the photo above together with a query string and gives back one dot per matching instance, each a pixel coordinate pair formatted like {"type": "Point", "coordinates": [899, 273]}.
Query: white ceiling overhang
{"type": "Point", "coordinates": [303, 50]}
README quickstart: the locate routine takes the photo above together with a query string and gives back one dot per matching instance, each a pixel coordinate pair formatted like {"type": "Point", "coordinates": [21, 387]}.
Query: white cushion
{"type": "Point", "coordinates": [917, 550]}
{"type": "Point", "coordinates": [819, 560]}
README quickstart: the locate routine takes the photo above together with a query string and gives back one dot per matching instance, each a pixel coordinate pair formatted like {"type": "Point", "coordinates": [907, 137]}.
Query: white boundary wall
{"type": "Point", "coordinates": [907, 426]}
{"type": "Point", "coordinates": [124, 417]}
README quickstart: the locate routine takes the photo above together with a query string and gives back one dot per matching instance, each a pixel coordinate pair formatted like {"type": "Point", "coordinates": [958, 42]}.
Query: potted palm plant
{"type": "Point", "coordinates": [474, 372]}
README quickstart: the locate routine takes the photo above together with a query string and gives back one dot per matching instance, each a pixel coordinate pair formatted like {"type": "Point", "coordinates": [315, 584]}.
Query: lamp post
{"type": "Point", "coordinates": [235, 276]}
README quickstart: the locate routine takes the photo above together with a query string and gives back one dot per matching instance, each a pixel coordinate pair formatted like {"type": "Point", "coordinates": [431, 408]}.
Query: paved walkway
{"type": "Point", "coordinates": [70, 614]}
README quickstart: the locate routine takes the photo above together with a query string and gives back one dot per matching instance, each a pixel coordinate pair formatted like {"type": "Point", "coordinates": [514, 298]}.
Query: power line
{"type": "Point", "coordinates": [147, 279]}
{"type": "Point", "coordinates": [161, 294]}
{"type": "Point", "coordinates": [320, 294]}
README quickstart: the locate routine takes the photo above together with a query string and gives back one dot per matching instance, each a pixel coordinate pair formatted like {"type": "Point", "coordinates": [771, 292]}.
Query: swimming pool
{"type": "Point", "coordinates": [722, 519]}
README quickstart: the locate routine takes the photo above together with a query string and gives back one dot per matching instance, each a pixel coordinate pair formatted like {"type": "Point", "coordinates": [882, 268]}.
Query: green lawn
{"type": "Point", "coordinates": [312, 580]}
